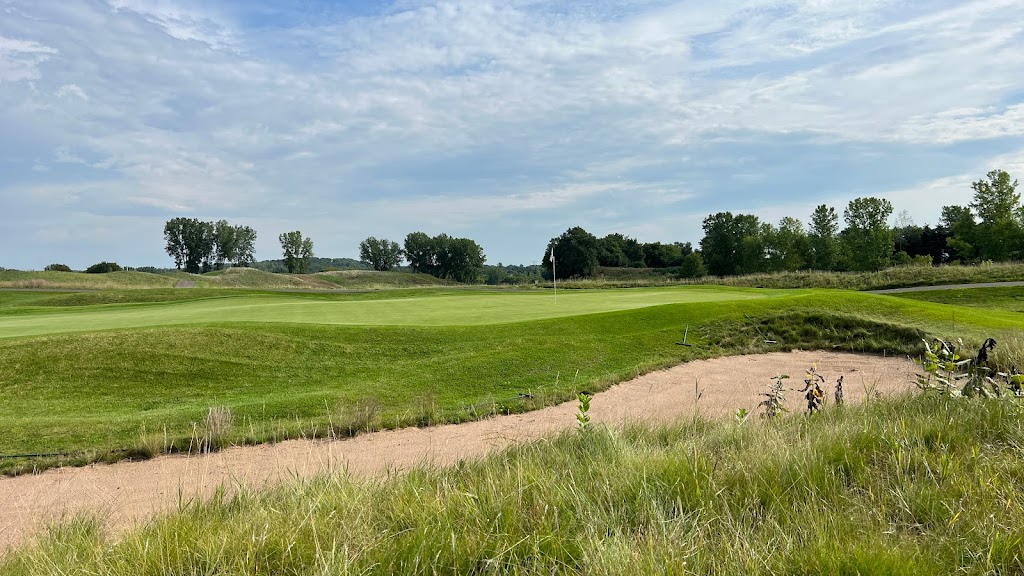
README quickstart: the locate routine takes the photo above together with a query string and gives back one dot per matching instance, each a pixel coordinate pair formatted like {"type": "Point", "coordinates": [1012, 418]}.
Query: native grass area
{"type": "Point", "coordinates": [919, 484]}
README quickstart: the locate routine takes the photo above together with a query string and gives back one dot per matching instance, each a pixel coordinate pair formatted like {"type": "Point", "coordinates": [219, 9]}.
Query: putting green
{"type": "Point", "coordinates": [472, 308]}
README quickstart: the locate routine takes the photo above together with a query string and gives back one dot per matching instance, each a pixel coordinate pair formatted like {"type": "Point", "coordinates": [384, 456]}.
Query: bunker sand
{"type": "Point", "coordinates": [129, 492]}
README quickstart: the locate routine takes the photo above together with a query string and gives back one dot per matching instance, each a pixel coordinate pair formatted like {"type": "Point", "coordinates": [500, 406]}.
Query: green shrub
{"type": "Point", "coordinates": [103, 268]}
{"type": "Point", "coordinates": [58, 268]}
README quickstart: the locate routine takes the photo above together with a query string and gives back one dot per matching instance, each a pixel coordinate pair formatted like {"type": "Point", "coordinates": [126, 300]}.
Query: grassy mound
{"type": "Point", "coordinates": [910, 486]}
{"type": "Point", "coordinates": [373, 280]}
{"type": "Point", "coordinates": [82, 281]}
{"type": "Point", "coordinates": [240, 278]}
{"type": "Point", "coordinates": [139, 386]}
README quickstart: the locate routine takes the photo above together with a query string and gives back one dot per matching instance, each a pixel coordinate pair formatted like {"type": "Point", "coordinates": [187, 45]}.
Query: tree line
{"type": "Point", "coordinates": [990, 228]}
{"type": "Point", "coordinates": [442, 256]}
{"type": "Point", "coordinates": [197, 246]}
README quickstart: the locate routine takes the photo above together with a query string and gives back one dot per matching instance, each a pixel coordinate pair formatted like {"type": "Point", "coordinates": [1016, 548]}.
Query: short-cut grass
{"type": "Point", "coordinates": [911, 486]}
{"type": "Point", "coordinates": [99, 381]}
{"type": "Point", "coordinates": [426, 310]}
{"type": "Point", "coordinates": [1010, 299]}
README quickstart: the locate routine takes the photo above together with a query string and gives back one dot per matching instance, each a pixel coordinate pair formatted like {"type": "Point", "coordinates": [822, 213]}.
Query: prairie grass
{"type": "Point", "coordinates": [240, 278]}
{"type": "Point", "coordinates": [896, 277]}
{"type": "Point", "coordinates": [912, 485]}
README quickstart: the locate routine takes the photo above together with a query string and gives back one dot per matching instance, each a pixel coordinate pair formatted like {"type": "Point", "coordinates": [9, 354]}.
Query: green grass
{"type": "Point", "coordinates": [428, 310]}
{"type": "Point", "coordinates": [907, 486]}
{"type": "Point", "coordinates": [79, 280]}
{"type": "Point", "coordinates": [104, 381]}
{"type": "Point", "coordinates": [1010, 299]}
{"type": "Point", "coordinates": [241, 278]}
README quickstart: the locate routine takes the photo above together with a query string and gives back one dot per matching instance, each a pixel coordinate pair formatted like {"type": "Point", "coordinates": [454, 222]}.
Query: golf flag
{"type": "Point", "coordinates": [552, 255]}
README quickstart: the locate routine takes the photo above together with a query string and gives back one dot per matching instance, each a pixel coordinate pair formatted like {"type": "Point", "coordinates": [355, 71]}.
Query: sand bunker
{"type": "Point", "coordinates": [129, 492]}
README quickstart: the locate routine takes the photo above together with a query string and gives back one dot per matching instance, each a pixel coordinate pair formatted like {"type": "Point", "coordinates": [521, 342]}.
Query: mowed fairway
{"type": "Point", "coordinates": [431, 310]}
{"type": "Point", "coordinates": [99, 381]}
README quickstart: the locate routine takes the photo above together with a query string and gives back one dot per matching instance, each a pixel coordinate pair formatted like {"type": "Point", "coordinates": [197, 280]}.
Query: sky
{"type": "Point", "coordinates": [506, 122]}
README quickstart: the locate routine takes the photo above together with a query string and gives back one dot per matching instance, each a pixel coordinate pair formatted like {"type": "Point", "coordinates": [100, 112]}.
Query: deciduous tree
{"type": "Point", "coordinates": [823, 238]}
{"type": "Point", "coordinates": [297, 250]}
{"type": "Point", "coordinates": [382, 255]}
{"type": "Point", "coordinates": [868, 237]}
{"type": "Point", "coordinates": [575, 254]}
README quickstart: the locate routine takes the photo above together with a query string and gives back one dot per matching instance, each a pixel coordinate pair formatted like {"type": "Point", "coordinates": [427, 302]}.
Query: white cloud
{"type": "Point", "coordinates": [20, 59]}
{"type": "Point", "coordinates": [466, 112]}
{"type": "Point", "coordinates": [72, 90]}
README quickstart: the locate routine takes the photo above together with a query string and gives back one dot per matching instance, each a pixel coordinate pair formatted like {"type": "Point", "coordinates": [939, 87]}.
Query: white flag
{"type": "Point", "coordinates": [552, 256]}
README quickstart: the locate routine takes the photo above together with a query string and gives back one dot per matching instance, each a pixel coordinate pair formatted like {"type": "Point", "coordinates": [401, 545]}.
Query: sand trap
{"type": "Point", "coordinates": [130, 492]}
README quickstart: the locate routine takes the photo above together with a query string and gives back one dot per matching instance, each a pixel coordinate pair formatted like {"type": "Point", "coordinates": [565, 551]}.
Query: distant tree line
{"type": "Point", "coordinates": [198, 246]}
{"type": "Point", "coordinates": [991, 228]}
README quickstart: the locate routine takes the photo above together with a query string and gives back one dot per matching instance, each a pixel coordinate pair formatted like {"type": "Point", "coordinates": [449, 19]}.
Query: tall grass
{"type": "Point", "coordinates": [896, 277]}
{"type": "Point", "coordinates": [907, 486]}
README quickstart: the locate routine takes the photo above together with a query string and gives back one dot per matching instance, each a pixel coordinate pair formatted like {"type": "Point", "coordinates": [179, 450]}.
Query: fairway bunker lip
{"type": "Point", "coordinates": [126, 493]}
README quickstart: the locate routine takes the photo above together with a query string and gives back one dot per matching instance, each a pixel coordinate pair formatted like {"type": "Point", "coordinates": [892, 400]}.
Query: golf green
{"type": "Point", "coordinates": [429, 310]}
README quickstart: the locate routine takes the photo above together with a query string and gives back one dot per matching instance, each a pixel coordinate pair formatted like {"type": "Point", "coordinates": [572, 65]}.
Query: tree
{"type": "Point", "coordinates": [658, 255]}
{"type": "Point", "coordinates": [245, 246]}
{"type": "Point", "coordinates": [419, 251]}
{"type": "Point", "coordinates": [459, 259]}
{"type": "Point", "coordinates": [297, 250]}
{"type": "Point", "coordinates": [103, 268]}
{"type": "Point", "coordinates": [191, 243]}
{"type": "Point", "coordinates": [382, 254]}
{"type": "Point", "coordinates": [225, 243]}
{"type": "Point", "coordinates": [462, 260]}
{"type": "Point", "coordinates": [963, 231]}
{"type": "Point", "coordinates": [575, 254]}
{"type": "Point", "coordinates": [788, 245]}
{"type": "Point", "coordinates": [692, 266]}
{"type": "Point", "coordinates": [1001, 226]}
{"type": "Point", "coordinates": [720, 244]}
{"type": "Point", "coordinates": [823, 238]}
{"type": "Point", "coordinates": [611, 251]}
{"type": "Point", "coordinates": [868, 237]}
{"type": "Point", "coordinates": [752, 243]}
{"type": "Point", "coordinates": [58, 268]}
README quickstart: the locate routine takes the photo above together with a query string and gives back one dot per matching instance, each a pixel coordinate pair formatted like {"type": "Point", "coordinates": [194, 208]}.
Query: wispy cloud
{"type": "Point", "coordinates": [503, 120]}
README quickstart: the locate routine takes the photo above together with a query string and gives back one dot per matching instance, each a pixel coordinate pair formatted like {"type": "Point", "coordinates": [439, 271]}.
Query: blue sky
{"type": "Point", "coordinates": [506, 122]}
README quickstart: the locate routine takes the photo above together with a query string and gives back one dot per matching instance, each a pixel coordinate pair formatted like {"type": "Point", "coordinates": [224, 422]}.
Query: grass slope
{"type": "Point", "coordinates": [144, 389]}
{"type": "Point", "coordinates": [1010, 299]}
{"type": "Point", "coordinates": [911, 486]}
{"type": "Point", "coordinates": [243, 278]}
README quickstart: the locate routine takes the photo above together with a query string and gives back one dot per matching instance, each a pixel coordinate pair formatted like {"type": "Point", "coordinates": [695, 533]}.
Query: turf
{"type": "Point", "coordinates": [98, 378]}
{"type": "Point", "coordinates": [430, 310]}
{"type": "Point", "coordinates": [1010, 299]}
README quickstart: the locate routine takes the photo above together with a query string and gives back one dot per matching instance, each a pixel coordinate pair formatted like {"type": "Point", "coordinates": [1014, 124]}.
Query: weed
{"type": "Point", "coordinates": [839, 391]}
{"type": "Point", "coordinates": [949, 373]}
{"type": "Point", "coordinates": [812, 390]}
{"type": "Point", "coordinates": [741, 415]}
{"type": "Point", "coordinates": [583, 416]}
{"type": "Point", "coordinates": [774, 398]}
